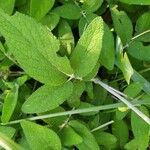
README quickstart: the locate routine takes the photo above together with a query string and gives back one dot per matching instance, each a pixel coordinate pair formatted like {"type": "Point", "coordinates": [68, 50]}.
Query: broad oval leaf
{"type": "Point", "coordinates": [38, 8]}
{"type": "Point", "coordinates": [40, 137]}
{"type": "Point", "coordinates": [139, 51]}
{"type": "Point", "coordinates": [27, 39]}
{"type": "Point", "coordinates": [47, 98]}
{"type": "Point", "coordinates": [68, 11]}
{"type": "Point", "coordinates": [87, 51]}
{"type": "Point", "coordinates": [89, 141]}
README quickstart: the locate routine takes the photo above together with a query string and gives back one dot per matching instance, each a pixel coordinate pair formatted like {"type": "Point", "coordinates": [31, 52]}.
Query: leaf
{"type": "Point", "coordinates": [47, 98]}
{"type": "Point", "coordinates": [131, 145]}
{"type": "Point", "coordinates": [143, 24]}
{"type": "Point", "coordinates": [8, 131]}
{"type": "Point", "coordinates": [107, 56]}
{"type": "Point", "coordinates": [7, 5]}
{"type": "Point", "coordinates": [89, 142]}
{"type": "Point", "coordinates": [139, 51]}
{"type": "Point", "coordinates": [91, 5]}
{"type": "Point", "coordinates": [106, 139]}
{"type": "Point", "coordinates": [68, 11]}
{"type": "Point", "coordinates": [38, 8]}
{"type": "Point", "coordinates": [140, 129]}
{"type": "Point", "coordinates": [136, 2]}
{"type": "Point", "coordinates": [121, 131]}
{"type": "Point", "coordinates": [35, 42]}
{"type": "Point", "coordinates": [8, 144]}
{"type": "Point", "coordinates": [123, 62]}
{"type": "Point", "coordinates": [86, 54]}
{"type": "Point", "coordinates": [122, 24]}
{"type": "Point", "coordinates": [69, 137]}
{"type": "Point", "coordinates": [40, 137]}
{"type": "Point", "coordinates": [10, 103]}
{"type": "Point", "coordinates": [133, 89]}
{"type": "Point", "coordinates": [50, 20]}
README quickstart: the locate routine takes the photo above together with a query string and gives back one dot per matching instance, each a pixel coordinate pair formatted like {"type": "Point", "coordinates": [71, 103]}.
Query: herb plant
{"type": "Point", "coordinates": [74, 74]}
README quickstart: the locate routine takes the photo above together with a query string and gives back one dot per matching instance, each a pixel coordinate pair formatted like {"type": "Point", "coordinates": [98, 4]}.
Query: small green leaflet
{"type": "Point", "coordinates": [7, 5]}
{"type": "Point", "coordinates": [87, 51]}
{"type": "Point", "coordinates": [140, 129]}
{"type": "Point", "coordinates": [136, 2]}
{"type": "Point", "coordinates": [8, 131]}
{"type": "Point", "coordinates": [121, 131]}
{"type": "Point", "coordinates": [10, 102]}
{"type": "Point", "coordinates": [68, 11]}
{"type": "Point", "coordinates": [39, 8]}
{"type": "Point", "coordinates": [40, 137]}
{"type": "Point", "coordinates": [139, 51]}
{"type": "Point", "coordinates": [89, 142]}
{"type": "Point", "coordinates": [69, 137]}
{"type": "Point", "coordinates": [122, 24]}
{"type": "Point", "coordinates": [47, 98]}
{"type": "Point", "coordinates": [106, 139]}
{"type": "Point", "coordinates": [29, 40]}
{"type": "Point", "coordinates": [91, 5]}
{"type": "Point", "coordinates": [142, 25]}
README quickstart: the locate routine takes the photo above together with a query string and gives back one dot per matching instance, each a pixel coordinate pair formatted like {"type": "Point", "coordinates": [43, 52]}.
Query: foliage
{"type": "Point", "coordinates": [63, 64]}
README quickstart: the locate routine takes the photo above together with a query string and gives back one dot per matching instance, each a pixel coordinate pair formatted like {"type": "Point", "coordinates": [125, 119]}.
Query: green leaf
{"type": "Point", "coordinates": [120, 130]}
{"type": "Point", "coordinates": [69, 137]}
{"type": "Point", "coordinates": [139, 51]}
{"type": "Point", "coordinates": [133, 89]}
{"type": "Point", "coordinates": [140, 129]}
{"type": "Point", "coordinates": [7, 5]}
{"type": "Point", "coordinates": [107, 56]}
{"type": "Point", "coordinates": [86, 54]}
{"type": "Point", "coordinates": [38, 8]}
{"type": "Point", "coordinates": [143, 24]}
{"type": "Point", "coordinates": [89, 142]}
{"type": "Point", "coordinates": [122, 24]}
{"type": "Point", "coordinates": [8, 131]}
{"type": "Point", "coordinates": [10, 103]}
{"type": "Point", "coordinates": [50, 20]}
{"type": "Point", "coordinates": [106, 139]}
{"type": "Point", "coordinates": [136, 2]}
{"type": "Point", "coordinates": [8, 144]}
{"type": "Point", "coordinates": [91, 5]}
{"type": "Point", "coordinates": [123, 62]}
{"type": "Point", "coordinates": [35, 42]}
{"type": "Point", "coordinates": [47, 98]}
{"type": "Point", "coordinates": [131, 145]}
{"type": "Point", "coordinates": [68, 11]}
{"type": "Point", "coordinates": [40, 137]}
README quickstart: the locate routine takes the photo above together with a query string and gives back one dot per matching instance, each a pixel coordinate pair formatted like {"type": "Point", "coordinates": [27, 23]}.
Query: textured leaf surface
{"type": "Point", "coordinates": [40, 137]}
{"type": "Point", "coordinates": [38, 8]}
{"type": "Point", "coordinates": [87, 52]}
{"type": "Point", "coordinates": [89, 141]}
{"type": "Point", "coordinates": [8, 131]}
{"type": "Point", "coordinates": [35, 42]}
{"type": "Point", "coordinates": [47, 98]}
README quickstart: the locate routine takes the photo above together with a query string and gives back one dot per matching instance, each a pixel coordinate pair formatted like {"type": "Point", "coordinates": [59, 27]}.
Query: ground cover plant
{"type": "Point", "coordinates": [74, 74]}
